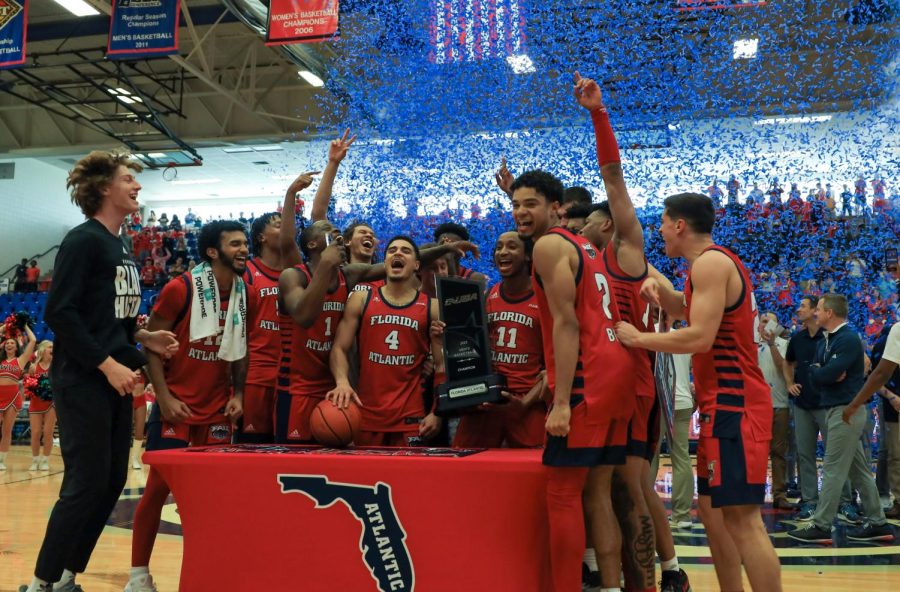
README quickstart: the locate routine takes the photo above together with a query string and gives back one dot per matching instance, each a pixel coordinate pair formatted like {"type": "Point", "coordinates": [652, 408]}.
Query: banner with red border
{"type": "Point", "coordinates": [302, 21]}
{"type": "Point", "coordinates": [143, 29]}
{"type": "Point", "coordinates": [13, 32]}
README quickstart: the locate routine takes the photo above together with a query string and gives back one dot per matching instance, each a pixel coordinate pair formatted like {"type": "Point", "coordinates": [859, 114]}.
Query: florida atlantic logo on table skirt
{"type": "Point", "coordinates": [382, 541]}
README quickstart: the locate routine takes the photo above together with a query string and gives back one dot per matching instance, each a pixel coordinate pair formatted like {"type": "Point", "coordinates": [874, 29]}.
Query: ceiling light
{"type": "Point", "coordinates": [78, 7]}
{"type": "Point", "coordinates": [237, 149]}
{"type": "Point", "coordinates": [311, 78]}
{"type": "Point", "coordinates": [157, 155]}
{"type": "Point", "coordinates": [122, 91]}
{"type": "Point", "coordinates": [126, 100]}
{"type": "Point", "coordinates": [112, 91]}
{"type": "Point", "coordinates": [267, 148]}
{"type": "Point", "coordinates": [520, 64]}
{"type": "Point", "coordinates": [745, 49]}
{"type": "Point", "coordinates": [138, 99]}
{"type": "Point", "coordinates": [790, 120]}
{"type": "Point", "coordinates": [196, 182]}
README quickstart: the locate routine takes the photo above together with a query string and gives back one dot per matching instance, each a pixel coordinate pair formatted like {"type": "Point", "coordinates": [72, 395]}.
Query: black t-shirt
{"type": "Point", "coordinates": [893, 385]}
{"type": "Point", "coordinates": [21, 271]}
{"type": "Point", "coordinates": [92, 305]}
{"type": "Point", "coordinates": [802, 352]}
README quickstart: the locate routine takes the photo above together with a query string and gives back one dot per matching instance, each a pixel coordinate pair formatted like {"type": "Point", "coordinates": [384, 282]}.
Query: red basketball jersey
{"type": "Point", "coordinates": [393, 343]}
{"type": "Point", "coordinates": [728, 375]}
{"type": "Point", "coordinates": [195, 374]}
{"type": "Point", "coordinates": [307, 358]}
{"type": "Point", "coordinates": [10, 369]}
{"type": "Point", "coordinates": [263, 322]}
{"type": "Point", "coordinates": [517, 350]}
{"type": "Point", "coordinates": [603, 371]}
{"type": "Point", "coordinates": [635, 310]}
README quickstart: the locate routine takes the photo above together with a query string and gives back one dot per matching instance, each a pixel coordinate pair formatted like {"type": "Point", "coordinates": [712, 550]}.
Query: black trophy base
{"type": "Point", "coordinates": [463, 394]}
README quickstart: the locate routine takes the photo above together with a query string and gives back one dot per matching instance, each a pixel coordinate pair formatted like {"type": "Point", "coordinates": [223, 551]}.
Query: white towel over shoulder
{"type": "Point", "coordinates": [206, 307]}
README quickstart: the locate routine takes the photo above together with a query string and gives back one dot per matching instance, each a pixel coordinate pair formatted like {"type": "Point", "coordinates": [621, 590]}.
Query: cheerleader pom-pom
{"type": "Point", "coordinates": [10, 330]}
{"type": "Point", "coordinates": [23, 318]}
{"type": "Point", "coordinates": [44, 389]}
{"type": "Point", "coordinates": [30, 383]}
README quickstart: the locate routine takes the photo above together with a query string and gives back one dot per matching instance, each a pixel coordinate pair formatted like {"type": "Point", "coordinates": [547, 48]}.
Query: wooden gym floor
{"type": "Point", "coordinates": [26, 499]}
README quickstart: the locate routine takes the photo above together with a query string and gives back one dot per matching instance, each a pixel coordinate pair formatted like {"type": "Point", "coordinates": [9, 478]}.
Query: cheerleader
{"type": "Point", "coordinates": [41, 412]}
{"type": "Point", "coordinates": [10, 394]}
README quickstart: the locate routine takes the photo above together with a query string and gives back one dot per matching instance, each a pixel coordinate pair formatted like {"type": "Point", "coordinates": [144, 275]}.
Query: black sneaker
{"type": "Point", "coordinates": [806, 512]}
{"type": "Point", "coordinates": [811, 534]}
{"type": "Point", "coordinates": [589, 579]}
{"type": "Point", "coordinates": [674, 581]}
{"type": "Point", "coordinates": [848, 514]}
{"type": "Point", "coordinates": [869, 532]}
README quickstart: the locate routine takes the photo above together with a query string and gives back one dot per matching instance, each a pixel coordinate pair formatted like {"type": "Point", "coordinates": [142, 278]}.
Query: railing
{"type": "Point", "coordinates": [36, 257]}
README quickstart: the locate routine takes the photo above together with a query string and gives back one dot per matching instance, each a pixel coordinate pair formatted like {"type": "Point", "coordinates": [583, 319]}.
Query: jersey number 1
{"type": "Point", "coordinates": [511, 344]}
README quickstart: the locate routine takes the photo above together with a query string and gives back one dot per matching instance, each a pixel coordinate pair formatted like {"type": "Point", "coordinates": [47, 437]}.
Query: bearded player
{"type": "Point", "coordinates": [613, 227]}
{"type": "Point", "coordinates": [391, 325]}
{"type": "Point", "coordinates": [589, 375]}
{"type": "Point", "coordinates": [199, 390]}
{"type": "Point", "coordinates": [517, 351]}
{"type": "Point", "coordinates": [733, 397]}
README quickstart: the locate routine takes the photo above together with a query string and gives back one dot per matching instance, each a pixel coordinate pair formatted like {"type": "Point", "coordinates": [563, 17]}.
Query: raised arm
{"type": "Point", "coordinates": [287, 236]}
{"type": "Point", "coordinates": [629, 237]}
{"type": "Point", "coordinates": [339, 359]}
{"type": "Point", "coordinates": [337, 150]}
{"type": "Point", "coordinates": [29, 347]}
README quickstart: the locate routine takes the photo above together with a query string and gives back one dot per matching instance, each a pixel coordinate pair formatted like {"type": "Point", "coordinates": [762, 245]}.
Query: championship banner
{"type": "Point", "coordinates": [301, 21]}
{"type": "Point", "coordinates": [143, 29]}
{"type": "Point", "coordinates": [13, 16]}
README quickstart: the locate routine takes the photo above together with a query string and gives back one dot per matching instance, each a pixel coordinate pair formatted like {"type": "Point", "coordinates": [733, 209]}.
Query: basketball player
{"type": "Point", "coordinates": [733, 397]}
{"type": "Point", "coordinates": [614, 228]}
{"type": "Point", "coordinates": [589, 374]}
{"type": "Point", "coordinates": [41, 414]}
{"type": "Point", "coordinates": [12, 368]}
{"type": "Point", "coordinates": [391, 325]}
{"type": "Point", "coordinates": [517, 350]}
{"type": "Point", "coordinates": [199, 391]}
{"type": "Point", "coordinates": [139, 416]}
{"type": "Point", "coordinates": [361, 242]}
{"type": "Point", "coordinates": [91, 308]}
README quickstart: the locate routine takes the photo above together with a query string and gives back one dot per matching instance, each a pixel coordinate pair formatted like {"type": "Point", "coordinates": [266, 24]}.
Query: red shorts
{"type": "Point", "coordinates": [731, 462]}
{"type": "Point", "coordinates": [139, 401]}
{"type": "Point", "coordinates": [643, 429]}
{"type": "Point", "coordinates": [292, 413]}
{"type": "Point", "coordinates": [390, 439]}
{"type": "Point", "coordinates": [503, 424]}
{"type": "Point", "coordinates": [38, 405]}
{"type": "Point", "coordinates": [259, 410]}
{"type": "Point", "coordinates": [588, 444]}
{"type": "Point", "coordinates": [10, 397]}
{"type": "Point", "coordinates": [165, 436]}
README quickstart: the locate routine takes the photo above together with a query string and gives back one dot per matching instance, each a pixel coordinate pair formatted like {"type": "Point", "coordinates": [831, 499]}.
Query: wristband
{"type": "Point", "coordinates": [607, 147]}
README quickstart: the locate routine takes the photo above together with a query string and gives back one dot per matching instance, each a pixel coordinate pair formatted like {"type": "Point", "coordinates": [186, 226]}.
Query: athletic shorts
{"type": "Point", "coordinates": [502, 425]}
{"type": "Point", "coordinates": [39, 406]}
{"type": "Point", "coordinates": [292, 413]}
{"type": "Point", "coordinates": [139, 401]}
{"type": "Point", "coordinates": [731, 463]}
{"type": "Point", "coordinates": [587, 444]}
{"type": "Point", "coordinates": [259, 411]}
{"type": "Point", "coordinates": [162, 435]}
{"type": "Point", "coordinates": [643, 429]}
{"type": "Point", "coordinates": [389, 439]}
{"type": "Point", "coordinates": [10, 396]}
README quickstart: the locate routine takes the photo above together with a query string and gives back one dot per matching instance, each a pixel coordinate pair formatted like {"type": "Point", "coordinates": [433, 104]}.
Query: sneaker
{"type": "Point", "coordinates": [806, 512]}
{"type": "Point", "coordinates": [674, 581]}
{"type": "Point", "coordinates": [869, 532]}
{"type": "Point", "coordinates": [44, 465]}
{"type": "Point", "coordinates": [848, 513]}
{"type": "Point", "coordinates": [141, 584]}
{"type": "Point", "coordinates": [2, 466]}
{"type": "Point", "coordinates": [681, 524]}
{"type": "Point", "coordinates": [136, 463]}
{"type": "Point", "coordinates": [41, 588]}
{"type": "Point", "coordinates": [811, 534]}
{"type": "Point", "coordinates": [34, 466]}
{"type": "Point", "coordinates": [70, 586]}
{"type": "Point", "coordinates": [590, 580]}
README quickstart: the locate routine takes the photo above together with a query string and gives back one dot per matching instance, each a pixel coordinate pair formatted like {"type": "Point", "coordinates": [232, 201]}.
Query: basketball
{"type": "Point", "coordinates": [334, 426]}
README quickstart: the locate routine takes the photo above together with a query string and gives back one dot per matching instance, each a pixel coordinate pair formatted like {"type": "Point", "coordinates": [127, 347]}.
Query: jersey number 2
{"type": "Point", "coordinates": [603, 286]}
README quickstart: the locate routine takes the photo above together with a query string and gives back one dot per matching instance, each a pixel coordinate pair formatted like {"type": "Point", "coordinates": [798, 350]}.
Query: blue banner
{"type": "Point", "coordinates": [13, 16]}
{"type": "Point", "coordinates": [143, 28]}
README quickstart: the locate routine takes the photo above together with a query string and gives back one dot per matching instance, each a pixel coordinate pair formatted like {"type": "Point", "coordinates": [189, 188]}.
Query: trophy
{"type": "Point", "coordinates": [467, 355]}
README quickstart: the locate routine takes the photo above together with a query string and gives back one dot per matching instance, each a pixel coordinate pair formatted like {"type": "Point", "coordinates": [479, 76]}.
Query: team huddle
{"type": "Point", "coordinates": [263, 339]}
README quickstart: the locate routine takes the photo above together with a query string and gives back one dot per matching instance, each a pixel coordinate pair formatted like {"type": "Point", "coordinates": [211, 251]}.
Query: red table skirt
{"type": "Point", "coordinates": [293, 518]}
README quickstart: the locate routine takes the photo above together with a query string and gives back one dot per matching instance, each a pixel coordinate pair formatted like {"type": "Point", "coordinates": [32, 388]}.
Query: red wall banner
{"type": "Point", "coordinates": [301, 21]}
{"type": "Point", "coordinates": [359, 520]}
